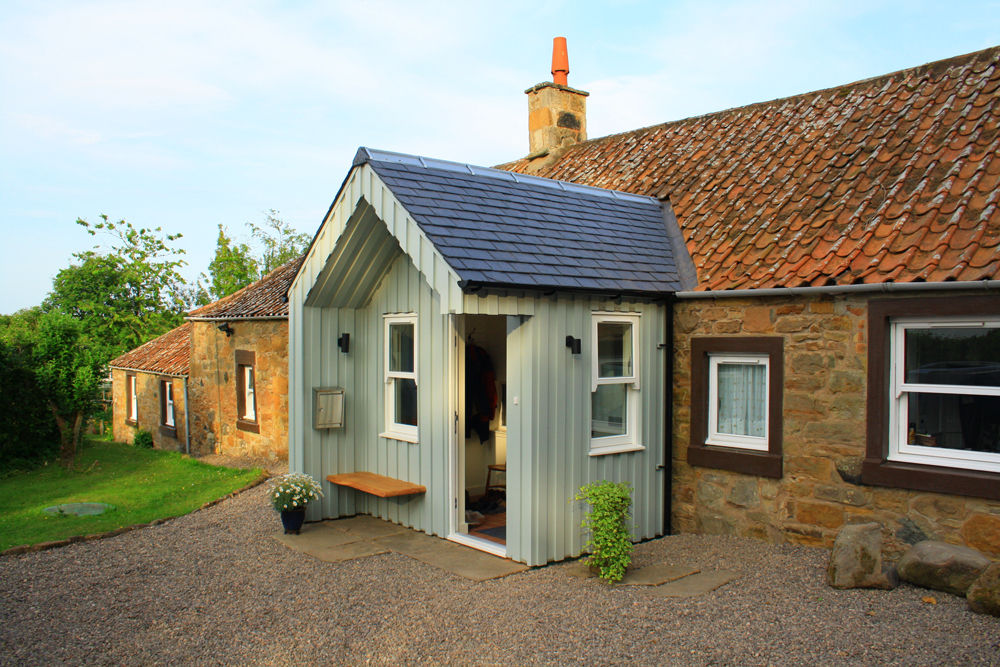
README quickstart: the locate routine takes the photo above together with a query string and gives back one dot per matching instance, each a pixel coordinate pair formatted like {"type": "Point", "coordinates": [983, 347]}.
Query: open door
{"type": "Point", "coordinates": [479, 441]}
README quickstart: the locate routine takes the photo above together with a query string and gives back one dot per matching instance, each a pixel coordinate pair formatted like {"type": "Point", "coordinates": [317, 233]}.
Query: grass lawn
{"type": "Point", "coordinates": [142, 484]}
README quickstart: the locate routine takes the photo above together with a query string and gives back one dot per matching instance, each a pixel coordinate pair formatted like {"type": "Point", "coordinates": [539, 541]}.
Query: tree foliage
{"type": "Point", "coordinates": [232, 268]}
{"type": "Point", "coordinates": [125, 294]}
{"type": "Point", "coordinates": [281, 243]}
{"type": "Point", "coordinates": [65, 363]}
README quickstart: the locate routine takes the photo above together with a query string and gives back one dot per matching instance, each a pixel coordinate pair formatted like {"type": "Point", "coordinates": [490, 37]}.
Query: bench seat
{"type": "Point", "coordinates": [377, 485]}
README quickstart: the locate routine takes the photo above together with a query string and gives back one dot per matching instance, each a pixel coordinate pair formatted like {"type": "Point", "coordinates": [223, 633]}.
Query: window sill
{"type": "Point", "coordinates": [169, 431]}
{"type": "Point", "coordinates": [615, 449]}
{"type": "Point", "coordinates": [402, 437]}
{"type": "Point", "coordinates": [935, 479]}
{"type": "Point", "coordinates": [748, 462]}
{"type": "Point", "coordinates": [131, 422]}
{"type": "Point", "coordinates": [249, 426]}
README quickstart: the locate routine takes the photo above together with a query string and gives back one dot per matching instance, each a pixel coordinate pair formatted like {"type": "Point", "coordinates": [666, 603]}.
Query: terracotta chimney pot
{"type": "Point", "coordinates": [560, 61]}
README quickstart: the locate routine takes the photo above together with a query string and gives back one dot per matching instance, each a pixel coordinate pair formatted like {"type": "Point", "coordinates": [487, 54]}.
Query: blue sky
{"type": "Point", "coordinates": [189, 113]}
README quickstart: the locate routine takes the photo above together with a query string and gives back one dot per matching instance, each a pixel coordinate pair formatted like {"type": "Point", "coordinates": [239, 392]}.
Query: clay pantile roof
{"type": "Point", "coordinates": [264, 299]}
{"type": "Point", "coordinates": [169, 354]}
{"type": "Point", "coordinates": [895, 178]}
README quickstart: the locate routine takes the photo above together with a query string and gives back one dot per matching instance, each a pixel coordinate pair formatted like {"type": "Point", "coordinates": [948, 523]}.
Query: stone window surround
{"type": "Point", "coordinates": [246, 358]}
{"type": "Point", "coordinates": [877, 470]}
{"type": "Point", "coordinates": [761, 463]}
{"type": "Point", "coordinates": [131, 400]}
{"type": "Point", "coordinates": [165, 428]}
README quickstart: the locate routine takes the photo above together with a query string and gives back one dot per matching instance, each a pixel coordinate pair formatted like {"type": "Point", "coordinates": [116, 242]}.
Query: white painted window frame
{"type": "Point", "coordinates": [715, 437]}
{"type": "Point", "coordinates": [629, 441]}
{"type": "Point", "coordinates": [249, 389]}
{"type": "Point", "coordinates": [394, 430]}
{"type": "Point", "coordinates": [133, 403]}
{"type": "Point", "coordinates": [168, 403]}
{"type": "Point", "coordinates": [899, 449]}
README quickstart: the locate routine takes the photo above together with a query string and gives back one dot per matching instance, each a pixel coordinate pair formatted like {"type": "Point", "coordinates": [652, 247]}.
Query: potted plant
{"type": "Point", "coordinates": [290, 496]}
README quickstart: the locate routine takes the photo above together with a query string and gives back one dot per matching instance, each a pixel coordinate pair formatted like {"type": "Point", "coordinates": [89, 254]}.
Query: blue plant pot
{"type": "Point", "coordinates": [292, 520]}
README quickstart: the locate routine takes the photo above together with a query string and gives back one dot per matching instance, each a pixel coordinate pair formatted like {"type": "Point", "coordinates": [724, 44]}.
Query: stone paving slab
{"type": "Point", "coordinates": [367, 526]}
{"type": "Point", "coordinates": [455, 558]}
{"type": "Point", "coordinates": [696, 584]}
{"type": "Point", "coordinates": [655, 575]}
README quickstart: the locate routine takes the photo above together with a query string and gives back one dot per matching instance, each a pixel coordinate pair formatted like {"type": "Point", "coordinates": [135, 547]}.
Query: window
{"type": "Point", "coordinates": [736, 403]}
{"type": "Point", "coordinates": [934, 395]}
{"type": "Point", "coordinates": [614, 399]}
{"type": "Point", "coordinates": [401, 377]}
{"type": "Point", "coordinates": [131, 400]}
{"type": "Point", "coordinates": [167, 406]}
{"type": "Point", "coordinates": [246, 392]}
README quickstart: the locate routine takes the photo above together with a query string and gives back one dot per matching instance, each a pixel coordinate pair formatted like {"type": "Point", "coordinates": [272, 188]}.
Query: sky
{"type": "Point", "coordinates": [189, 114]}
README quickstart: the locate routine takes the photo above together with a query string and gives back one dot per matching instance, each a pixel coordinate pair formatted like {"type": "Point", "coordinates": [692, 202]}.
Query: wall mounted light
{"type": "Point", "coordinates": [573, 344]}
{"type": "Point", "coordinates": [344, 342]}
{"type": "Point", "coordinates": [226, 329]}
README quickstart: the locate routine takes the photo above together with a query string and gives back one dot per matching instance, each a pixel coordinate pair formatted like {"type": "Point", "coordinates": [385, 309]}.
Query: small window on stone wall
{"type": "Point", "coordinates": [131, 400]}
{"type": "Point", "coordinates": [246, 392]}
{"type": "Point", "coordinates": [167, 423]}
{"type": "Point", "coordinates": [736, 404]}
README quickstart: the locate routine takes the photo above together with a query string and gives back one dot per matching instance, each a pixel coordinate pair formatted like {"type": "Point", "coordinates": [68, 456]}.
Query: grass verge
{"type": "Point", "coordinates": [143, 485]}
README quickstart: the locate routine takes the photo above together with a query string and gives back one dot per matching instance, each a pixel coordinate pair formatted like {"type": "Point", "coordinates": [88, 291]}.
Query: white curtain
{"type": "Point", "coordinates": [742, 399]}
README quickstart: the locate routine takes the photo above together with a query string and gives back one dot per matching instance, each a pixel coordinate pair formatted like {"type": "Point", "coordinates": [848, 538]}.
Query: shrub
{"type": "Point", "coordinates": [294, 490]}
{"type": "Point", "coordinates": [610, 543]}
{"type": "Point", "coordinates": [143, 439]}
{"type": "Point", "coordinates": [28, 433]}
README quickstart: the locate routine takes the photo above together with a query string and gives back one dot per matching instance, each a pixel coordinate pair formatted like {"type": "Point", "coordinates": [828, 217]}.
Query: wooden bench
{"type": "Point", "coordinates": [377, 485]}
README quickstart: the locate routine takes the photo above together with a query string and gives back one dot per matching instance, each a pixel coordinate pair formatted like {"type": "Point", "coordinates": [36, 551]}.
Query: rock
{"type": "Point", "coordinates": [941, 566]}
{"type": "Point", "coordinates": [856, 559]}
{"type": "Point", "coordinates": [984, 594]}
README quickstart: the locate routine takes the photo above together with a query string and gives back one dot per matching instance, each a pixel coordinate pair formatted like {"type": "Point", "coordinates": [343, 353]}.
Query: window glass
{"type": "Point", "coordinates": [168, 417]}
{"type": "Point", "coordinates": [406, 401]}
{"type": "Point", "coordinates": [401, 347]}
{"type": "Point", "coordinates": [742, 399]}
{"type": "Point", "coordinates": [953, 355]}
{"type": "Point", "coordinates": [249, 400]}
{"type": "Point", "coordinates": [609, 410]}
{"type": "Point", "coordinates": [133, 400]}
{"type": "Point", "coordinates": [614, 349]}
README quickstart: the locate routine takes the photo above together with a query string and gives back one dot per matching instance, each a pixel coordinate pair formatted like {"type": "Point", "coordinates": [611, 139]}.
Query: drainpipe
{"type": "Point", "coordinates": [187, 420]}
{"type": "Point", "coordinates": [668, 415]}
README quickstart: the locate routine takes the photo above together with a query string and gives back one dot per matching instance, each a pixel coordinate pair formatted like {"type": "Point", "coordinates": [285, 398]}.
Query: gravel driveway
{"type": "Point", "coordinates": [213, 587]}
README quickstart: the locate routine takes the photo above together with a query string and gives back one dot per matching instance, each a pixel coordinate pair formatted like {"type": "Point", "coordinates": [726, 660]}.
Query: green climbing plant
{"type": "Point", "coordinates": [607, 521]}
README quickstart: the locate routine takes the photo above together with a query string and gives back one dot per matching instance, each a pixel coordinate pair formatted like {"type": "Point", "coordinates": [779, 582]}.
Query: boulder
{"type": "Point", "coordinates": [984, 593]}
{"type": "Point", "coordinates": [941, 566]}
{"type": "Point", "coordinates": [856, 559]}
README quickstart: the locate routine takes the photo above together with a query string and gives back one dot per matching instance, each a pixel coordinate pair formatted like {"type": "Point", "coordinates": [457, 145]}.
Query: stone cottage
{"type": "Point", "coordinates": [839, 359]}
{"type": "Point", "coordinates": [227, 368]}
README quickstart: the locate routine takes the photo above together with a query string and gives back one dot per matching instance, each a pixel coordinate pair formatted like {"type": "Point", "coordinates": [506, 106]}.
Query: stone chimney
{"type": "Point", "coordinates": [557, 114]}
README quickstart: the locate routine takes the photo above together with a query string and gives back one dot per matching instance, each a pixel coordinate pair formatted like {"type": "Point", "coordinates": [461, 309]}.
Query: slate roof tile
{"type": "Point", "coordinates": [889, 178]}
{"type": "Point", "coordinates": [169, 354]}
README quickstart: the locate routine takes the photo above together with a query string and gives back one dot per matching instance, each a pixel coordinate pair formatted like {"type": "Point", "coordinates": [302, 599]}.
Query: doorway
{"type": "Point", "coordinates": [480, 449]}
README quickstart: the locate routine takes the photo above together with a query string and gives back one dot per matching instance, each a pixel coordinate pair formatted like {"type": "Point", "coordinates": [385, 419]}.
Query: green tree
{"type": "Point", "coordinates": [128, 294]}
{"type": "Point", "coordinates": [232, 268]}
{"type": "Point", "coordinates": [281, 243]}
{"type": "Point", "coordinates": [67, 365]}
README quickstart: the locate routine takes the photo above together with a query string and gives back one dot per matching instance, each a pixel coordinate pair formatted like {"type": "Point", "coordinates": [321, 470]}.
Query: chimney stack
{"type": "Point", "coordinates": [557, 114]}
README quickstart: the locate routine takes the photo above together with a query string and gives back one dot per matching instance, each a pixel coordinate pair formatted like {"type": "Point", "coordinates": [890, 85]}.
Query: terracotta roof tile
{"type": "Point", "coordinates": [262, 299]}
{"type": "Point", "coordinates": [169, 354]}
{"type": "Point", "coordinates": [892, 178]}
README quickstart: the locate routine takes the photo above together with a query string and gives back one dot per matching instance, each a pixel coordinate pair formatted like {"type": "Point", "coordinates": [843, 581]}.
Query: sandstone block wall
{"type": "Point", "coordinates": [212, 388]}
{"type": "Point", "coordinates": [825, 361]}
{"type": "Point", "coordinates": [148, 392]}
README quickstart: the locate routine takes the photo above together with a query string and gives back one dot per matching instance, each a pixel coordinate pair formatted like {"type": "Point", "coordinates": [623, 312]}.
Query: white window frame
{"type": "Point", "coordinates": [249, 389]}
{"type": "Point", "coordinates": [751, 442]}
{"type": "Point", "coordinates": [168, 403]}
{"type": "Point", "coordinates": [629, 441]}
{"type": "Point", "coordinates": [133, 399]}
{"type": "Point", "coordinates": [393, 429]}
{"type": "Point", "coordinates": [899, 449]}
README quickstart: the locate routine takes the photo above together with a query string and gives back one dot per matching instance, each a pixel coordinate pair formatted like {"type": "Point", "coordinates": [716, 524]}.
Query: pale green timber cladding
{"type": "Point", "coordinates": [548, 432]}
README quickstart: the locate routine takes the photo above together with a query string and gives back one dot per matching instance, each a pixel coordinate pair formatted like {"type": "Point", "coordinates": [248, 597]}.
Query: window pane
{"type": "Point", "coordinates": [609, 410]}
{"type": "Point", "coordinates": [406, 401]}
{"type": "Point", "coordinates": [742, 397]}
{"type": "Point", "coordinates": [953, 421]}
{"type": "Point", "coordinates": [614, 349]}
{"type": "Point", "coordinates": [401, 347]}
{"type": "Point", "coordinates": [953, 355]}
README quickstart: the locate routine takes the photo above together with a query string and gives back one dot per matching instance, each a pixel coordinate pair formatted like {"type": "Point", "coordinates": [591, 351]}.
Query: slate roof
{"type": "Point", "coordinates": [264, 299]}
{"type": "Point", "coordinates": [169, 354]}
{"type": "Point", "coordinates": [895, 178]}
{"type": "Point", "coordinates": [495, 228]}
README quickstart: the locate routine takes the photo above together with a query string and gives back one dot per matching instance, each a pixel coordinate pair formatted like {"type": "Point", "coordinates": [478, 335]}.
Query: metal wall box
{"type": "Point", "coordinates": [328, 407]}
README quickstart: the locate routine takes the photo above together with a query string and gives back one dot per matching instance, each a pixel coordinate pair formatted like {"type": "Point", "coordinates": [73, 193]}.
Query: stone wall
{"type": "Point", "coordinates": [825, 365]}
{"type": "Point", "coordinates": [148, 418]}
{"type": "Point", "coordinates": [212, 390]}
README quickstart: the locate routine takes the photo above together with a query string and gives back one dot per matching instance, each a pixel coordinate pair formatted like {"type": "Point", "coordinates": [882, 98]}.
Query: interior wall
{"type": "Point", "coordinates": [490, 333]}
